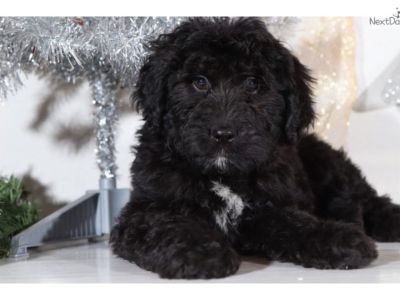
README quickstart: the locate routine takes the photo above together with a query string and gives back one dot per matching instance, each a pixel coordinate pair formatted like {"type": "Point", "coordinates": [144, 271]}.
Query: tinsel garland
{"type": "Point", "coordinates": [107, 51]}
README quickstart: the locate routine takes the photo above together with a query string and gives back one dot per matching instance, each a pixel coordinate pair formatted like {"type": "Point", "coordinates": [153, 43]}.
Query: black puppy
{"type": "Point", "coordinates": [224, 166]}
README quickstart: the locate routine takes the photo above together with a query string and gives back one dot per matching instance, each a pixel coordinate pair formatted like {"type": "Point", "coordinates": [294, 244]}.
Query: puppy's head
{"type": "Point", "coordinates": [224, 93]}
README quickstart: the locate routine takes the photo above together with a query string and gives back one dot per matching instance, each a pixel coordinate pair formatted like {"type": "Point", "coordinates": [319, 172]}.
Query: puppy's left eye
{"type": "Point", "coordinates": [251, 85]}
{"type": "Point", "coordinates": [201, 83]}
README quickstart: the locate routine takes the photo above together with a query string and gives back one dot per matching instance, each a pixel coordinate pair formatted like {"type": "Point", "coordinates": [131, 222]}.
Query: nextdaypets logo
{"type": "Point", "coordinates": [392, 20]}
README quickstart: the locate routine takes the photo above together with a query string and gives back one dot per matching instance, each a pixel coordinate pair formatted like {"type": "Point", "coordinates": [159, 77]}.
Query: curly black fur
{"type": "Point", "coordinates": [224, 167]}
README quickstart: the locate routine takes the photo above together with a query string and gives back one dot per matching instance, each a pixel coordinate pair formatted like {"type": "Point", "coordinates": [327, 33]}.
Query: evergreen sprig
{"type": "Point", "coordinates": [16, 211]}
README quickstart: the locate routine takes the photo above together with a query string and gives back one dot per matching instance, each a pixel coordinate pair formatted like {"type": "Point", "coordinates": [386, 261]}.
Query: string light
{"type": "Point", "coordinates": [327, 46]}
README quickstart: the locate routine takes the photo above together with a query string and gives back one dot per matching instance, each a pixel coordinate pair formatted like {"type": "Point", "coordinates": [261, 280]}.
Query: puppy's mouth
{"type": "Point", "coordinates": [221, 161]}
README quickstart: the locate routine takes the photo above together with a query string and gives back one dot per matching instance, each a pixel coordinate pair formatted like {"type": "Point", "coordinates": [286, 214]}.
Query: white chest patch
{"type": "Point", "coordinates": [233, 206]}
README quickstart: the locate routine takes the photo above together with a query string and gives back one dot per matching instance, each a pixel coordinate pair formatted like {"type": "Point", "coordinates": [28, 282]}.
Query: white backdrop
{"type": "Point", "coordinates": [373, 139]}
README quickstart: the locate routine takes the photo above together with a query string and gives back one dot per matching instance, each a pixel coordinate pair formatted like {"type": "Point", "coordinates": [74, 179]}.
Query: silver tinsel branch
{"type": "Point", "coordinates": [108, 51]}
{"type": "Point", "coordinates": [66, 47]}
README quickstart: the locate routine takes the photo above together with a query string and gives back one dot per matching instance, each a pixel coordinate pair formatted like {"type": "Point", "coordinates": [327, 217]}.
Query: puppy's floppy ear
{"type": "Point", "coordinates": [151, 87]}
{"type": "Point", "coordinates": [298, 96]}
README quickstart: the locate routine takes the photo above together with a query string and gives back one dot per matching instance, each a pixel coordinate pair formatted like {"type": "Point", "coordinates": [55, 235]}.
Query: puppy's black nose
{"type": "Point", "coordinates": [223, 135]}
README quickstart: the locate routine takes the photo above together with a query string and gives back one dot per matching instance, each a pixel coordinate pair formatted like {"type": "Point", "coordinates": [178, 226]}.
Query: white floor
{"type": "Point", "coordinates": [87, 263]}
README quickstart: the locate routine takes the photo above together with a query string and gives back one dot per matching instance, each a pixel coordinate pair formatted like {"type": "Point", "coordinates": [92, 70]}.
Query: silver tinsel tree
{"type": "Point", "coordinates": [106, 51]}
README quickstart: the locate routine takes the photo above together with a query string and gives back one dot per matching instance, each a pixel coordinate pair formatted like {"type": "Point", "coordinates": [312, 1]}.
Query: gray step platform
{"type": "Point", "coordinates": [91, 216]}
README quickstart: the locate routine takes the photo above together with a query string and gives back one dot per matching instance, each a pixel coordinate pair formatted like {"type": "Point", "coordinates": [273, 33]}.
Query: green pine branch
{"type": "Point", "coordinates": [16, 211]}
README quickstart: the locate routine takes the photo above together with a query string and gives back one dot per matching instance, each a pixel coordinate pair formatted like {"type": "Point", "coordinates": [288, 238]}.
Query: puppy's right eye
{"type": "Point", "coordinates": [201, 83]}
{"type": "Point", "coordinates": [251, 85]}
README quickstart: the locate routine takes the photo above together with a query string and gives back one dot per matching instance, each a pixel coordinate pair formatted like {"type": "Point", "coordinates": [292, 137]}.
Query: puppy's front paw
{"type": "Point", "coordinates": [211, 263]}
{"type": "Point", "coordinates": [339, 246]}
